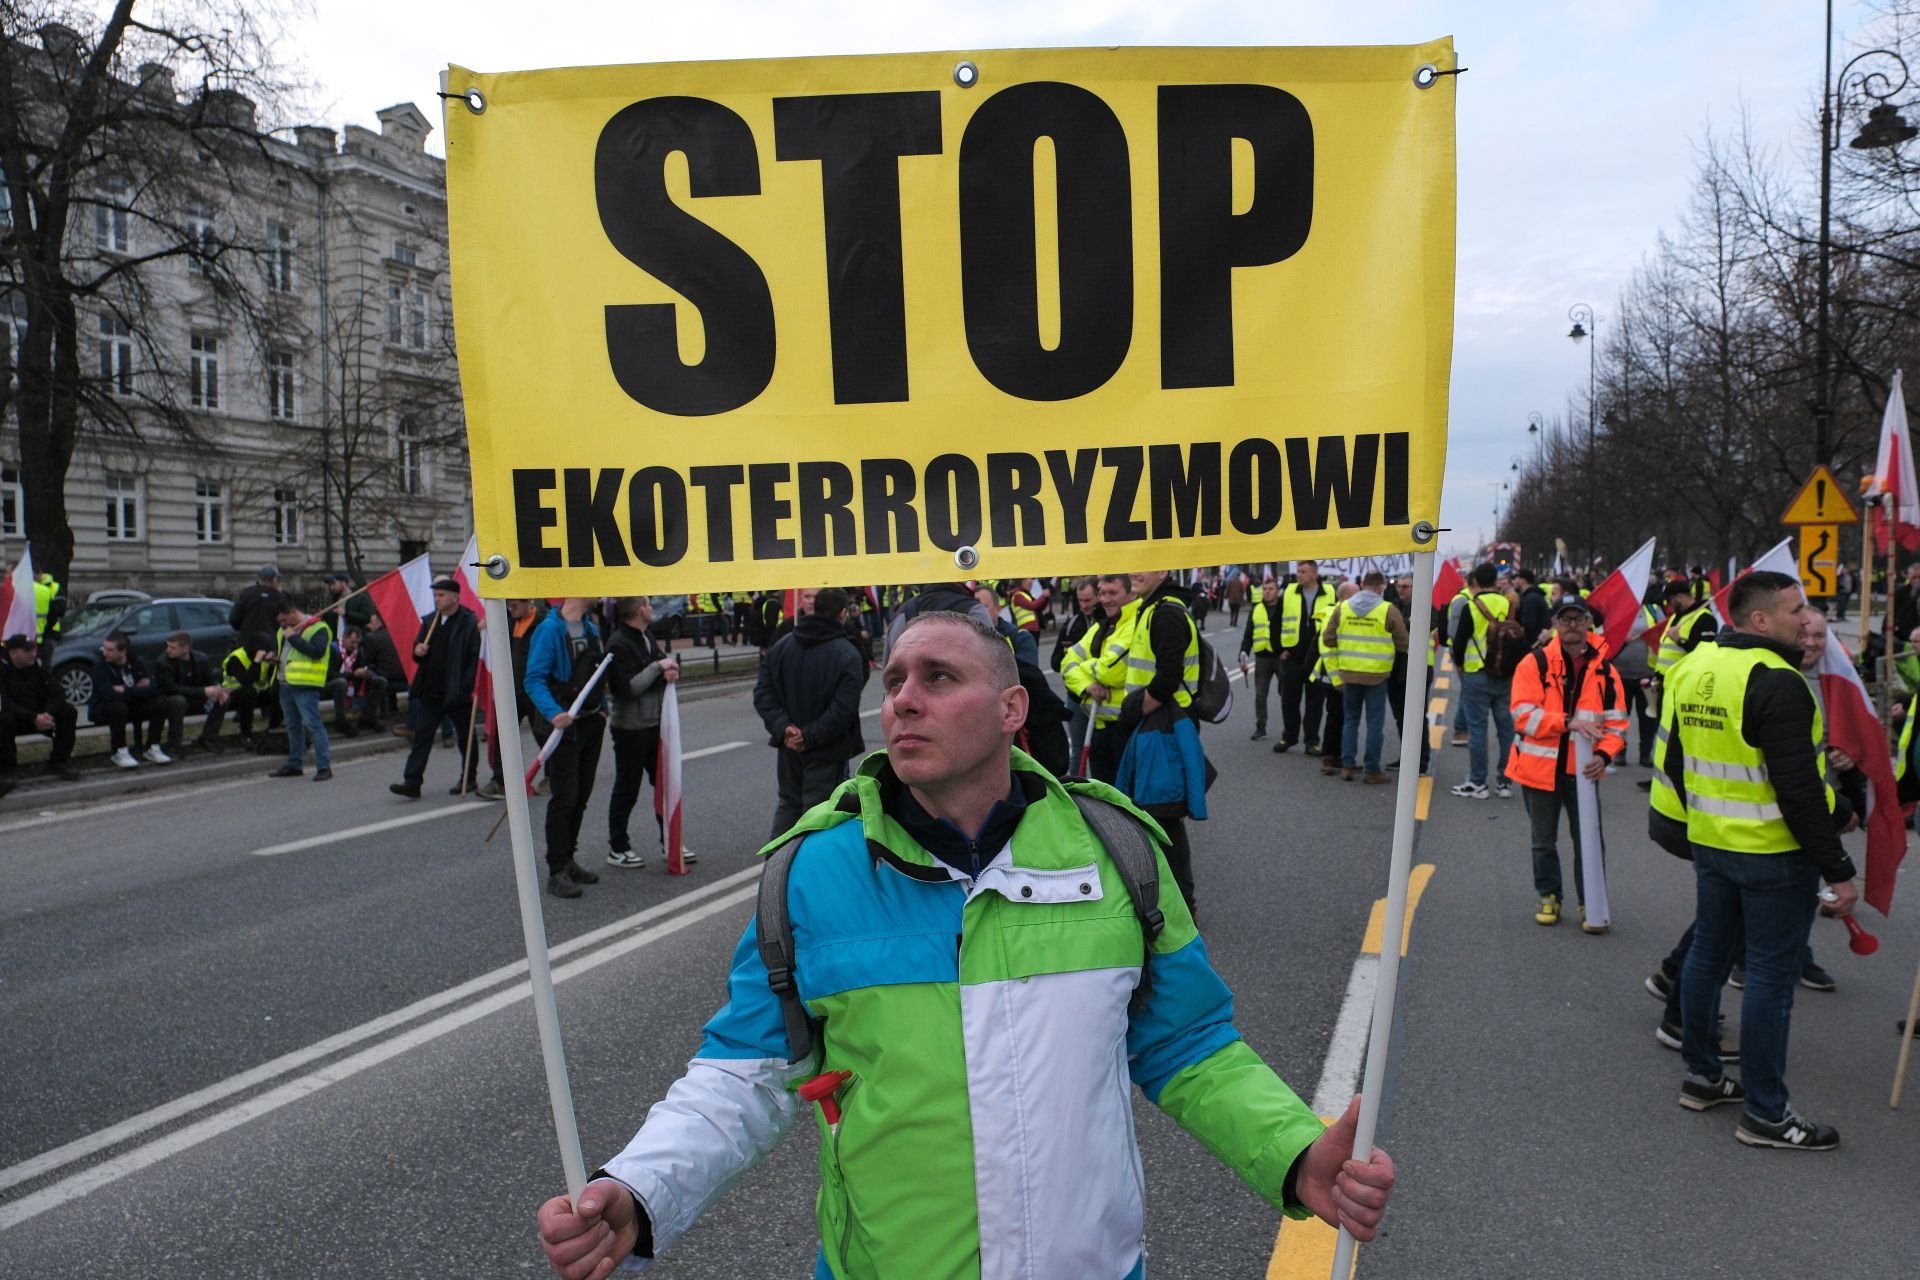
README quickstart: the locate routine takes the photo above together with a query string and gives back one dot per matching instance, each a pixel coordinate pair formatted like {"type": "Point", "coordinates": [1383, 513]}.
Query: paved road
{"type": "Point", "coordinates": [320, 1062]}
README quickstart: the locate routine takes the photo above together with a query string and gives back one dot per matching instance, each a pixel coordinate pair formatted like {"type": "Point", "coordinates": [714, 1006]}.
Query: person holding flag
{"type": "Point", "coordinates": [638, 682]}
{"type": "Point", "coordinates": [446, 654]}
{"type": "Point", "coordinates": [561, 662]}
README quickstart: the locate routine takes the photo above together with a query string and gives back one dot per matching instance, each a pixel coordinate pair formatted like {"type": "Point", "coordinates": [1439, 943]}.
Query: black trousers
{"type": "Point", "coordinates": [1649, 726]}
{"type": "Point", "coordinates": [432, 711]}
{"type": "Point", "coordinates": [246, 698]}
{"type": "Point", "coordinates": [636, 757]}
{"type": "Point", "coordinates": [570, 772]}
{"type": "Point", "coordinates": [1296, 688]}
{"type": "Point", "coordinates": [805, 779]}
{"type": "Point", "coordinates": [1173, 820]}
{"type": "Point", "coordinates": [20, 724]}
{"type": "Point", "coordinates": [1109, 744]}
{"type": "Point", "coordinates": [162, 716]}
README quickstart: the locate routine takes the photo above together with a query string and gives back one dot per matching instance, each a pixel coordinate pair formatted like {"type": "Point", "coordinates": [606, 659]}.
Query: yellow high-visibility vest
{"type": "Point", "coordinates": [1366, 646]}
{"type": "Point", "coordinates": [296, 668]}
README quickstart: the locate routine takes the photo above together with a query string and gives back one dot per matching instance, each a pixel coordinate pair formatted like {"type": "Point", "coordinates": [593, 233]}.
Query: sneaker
{"type": "Point", "coordinates": [625, 858]}
{"type": "Point", "coordinates": [323, 775]}
{"type": "Point", "coordinates": [688, 856]}
{"type": "Point", "coordinates": [213, 745]}
{"type": "Point", "coordinates": [1814, 978]}
{"type": "Point", "coordinates": [560, 887]}
{"type": "Point", "coordinates": [1789, 1133]}
{"type": "Point", "coordinates": [286, 771]}
{"type": "Point", "coordinates": [1738, 978]}
{"type": "Point", "coordinates": [1313, 748]}
{"type": "Point", "coordinates": [1668, 1034]}
{"type": "Point", "coordinates": [1704, 1095]}
{"type": "Point", "coordinates": [1504, 790]}
{"type": "Point", "coordinates": [1659, 985]}
{"type": "Point", "coordinates": [1549, 912]}
{"type": "Point", "coordinates": [1470, 790]}
{"type": "Point", "coordinates": [156, 755]}
{"type": "Point", "coordinates": [124, 758]}
{"type": "Point", "coordinates": [1459, 739]}
{"type": "Point", "coordinates": [493, 789]}
{"type": "Point", "coordinates": [246, 742]}
{"type": "Point", "coordinates": [579, 874]}
{"type": "Point", "coordinates": [1260, 735]}
{"type": "Point", "coordinates": [1589, 928]}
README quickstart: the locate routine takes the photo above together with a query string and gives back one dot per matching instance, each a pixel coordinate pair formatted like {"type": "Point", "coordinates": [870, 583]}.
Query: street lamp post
{"type": "Point", "coordinates": [1537, 429]}
{"type": "Point", "coordinates": [1584, 324]}
{"type": "Point", "coordinates": [1884, 128]}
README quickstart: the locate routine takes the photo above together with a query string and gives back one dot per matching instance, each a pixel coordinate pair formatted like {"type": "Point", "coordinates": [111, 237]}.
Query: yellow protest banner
{"type": "Point", "coordinates": [910, 318]}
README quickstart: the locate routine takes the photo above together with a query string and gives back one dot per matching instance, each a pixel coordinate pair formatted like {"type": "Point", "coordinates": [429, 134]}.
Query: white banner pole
{"type": "Point", "coordinates": [1412, 728]}
{"type": "Point", "coordinates": [506, 724]}
{"type": "Point", "coordinates": [1593, 851]}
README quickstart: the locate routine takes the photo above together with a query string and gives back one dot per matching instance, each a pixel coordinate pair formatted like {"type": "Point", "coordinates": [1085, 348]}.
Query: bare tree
{"type": "Point", "coordinates": [108, 171]}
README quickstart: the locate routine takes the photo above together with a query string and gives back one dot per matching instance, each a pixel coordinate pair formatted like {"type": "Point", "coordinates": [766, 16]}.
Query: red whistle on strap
{"type": "Point", "coordinates": [1859, 941]}
{"type": "Point", "coordinates": [823, 1088]}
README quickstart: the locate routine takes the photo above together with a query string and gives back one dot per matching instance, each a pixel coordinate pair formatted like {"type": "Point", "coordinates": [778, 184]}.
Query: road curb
{"type": "Point", "coordinates": [117, 785]}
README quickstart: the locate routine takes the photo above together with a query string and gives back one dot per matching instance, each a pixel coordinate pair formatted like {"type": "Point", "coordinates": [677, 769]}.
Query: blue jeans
{"type": "Point", "coordinates": [301, 706]}
{"type": "Point", "coordinates": [1479, 694]}
{"type": "Point", "coordinates": [1771, 897]}
{"type": "Point", "coordinates": [1370, 699]}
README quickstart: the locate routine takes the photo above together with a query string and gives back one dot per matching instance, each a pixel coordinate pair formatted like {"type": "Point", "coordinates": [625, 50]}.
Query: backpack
{"type": "Point", "coordinates": [1213, 695]}
{"type": "Point", "coordinates": [1507, 645]}
{"type": "Point", "coordinates": [1124, 839]}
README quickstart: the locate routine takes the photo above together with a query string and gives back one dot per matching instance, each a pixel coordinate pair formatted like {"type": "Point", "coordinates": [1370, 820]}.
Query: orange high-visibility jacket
{"type": "Point", "coordinates": [1539, 701]}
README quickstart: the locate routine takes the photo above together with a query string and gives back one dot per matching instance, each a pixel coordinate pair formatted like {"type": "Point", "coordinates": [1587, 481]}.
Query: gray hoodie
{"type": "Point", "coordinates": [1364, 603]}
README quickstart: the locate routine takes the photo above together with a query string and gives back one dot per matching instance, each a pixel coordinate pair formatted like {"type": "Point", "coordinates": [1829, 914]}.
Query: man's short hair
{"type": "Point", "coordinates": [1089, 581]}
{"type": "Point", "coordinates": [1373, 578]}
{"type": "Point", "coordinates": [1301, 564]}
{"type": "Point", "coordinates": [119, 640]}
{"type": "Point", "coordinates": [999, 653]}
{"type": "Point", "coordinates": [283, 607]}
{"type": "Point", "coordinates": [830, 602]}
{"type": "Point", "coordinates": [1756, 592]}
{"type": "Point", "coordinates": [1121, 579]}
{"type": "Point", "coordinates": [627, 607]}
{"type": "Point", "coordinates": [355, 632]}
{"type": "Point", "coordinates": [1678, 587]}
{"type": "Point", "coordinates": [181, 637]}
{"type": "Point", "coordinates": [1527, 576]}
{"type": "Point", "coordinates": [1485, 575]}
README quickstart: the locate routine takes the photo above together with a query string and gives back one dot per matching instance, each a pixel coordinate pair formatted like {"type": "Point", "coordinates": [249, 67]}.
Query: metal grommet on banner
{"type": "Point", "coordinates": [966, 74]}
{"type": "Point", "coordinates": [1429, 75]}
{"type": "Point", "coordinates": [475, 100]}
{"type": "Point", "coordinates": [966, 558]}
{"type": "Point", "coordinates": [496, 567]}
{"type": "Point", "coordinates": [1424, 532]}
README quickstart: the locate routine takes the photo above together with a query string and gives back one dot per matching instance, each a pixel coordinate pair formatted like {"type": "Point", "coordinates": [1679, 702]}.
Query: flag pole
{"type": "Point", "coordinates": [1906, 1042]}
{"type": "Point", "coordinates": [1893, 593]}
{"type": "Point", "coordinates": [1412, 726]}
{"type": "Point", "coordinates": [539, 967]}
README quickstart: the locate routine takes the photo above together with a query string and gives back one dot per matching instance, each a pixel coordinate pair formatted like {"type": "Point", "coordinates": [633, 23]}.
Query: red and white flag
{"type": "Point", "coordinates": [1893, 475]}
{"type": "Point", "coordinates": [463, 573]}
{"type": "Point", "coordinates": [1616, 601]}
{"type": "Point", "coordinates": [402, 597]}
{"type": "Point", "coordinates": [666, 781]}
{"type": "Point", "coordinates": [1448, 582]}
{"type": "Point", "coordinates": [1779, 560]}
{"type": "Point", "coordinates": [1853, 726]}
{"type": "Point", "coordinates": [18, 617]}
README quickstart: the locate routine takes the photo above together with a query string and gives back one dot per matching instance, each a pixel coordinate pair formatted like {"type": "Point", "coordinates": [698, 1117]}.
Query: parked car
{"type": "Point", "coordinates": [149, 623]}
{"type": "Point", "coordinates": [669, 618]}
{"type": "Point", "coordinates": [110, 604]}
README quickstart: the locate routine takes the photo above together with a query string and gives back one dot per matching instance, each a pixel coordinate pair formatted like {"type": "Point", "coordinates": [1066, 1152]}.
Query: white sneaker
{"type": "Point", "coordinates": [155, 754]}
{"type": "Point", "coordinates": [688, 856]}
{"type": "Point", "coordinates": [1470, 790]}
{"type": "Point", "coordinates": [625, 858]}
{"type": "Point", "coordinates": [124, 758]}
{"type": "Point", "coordinates": [1503, 790]}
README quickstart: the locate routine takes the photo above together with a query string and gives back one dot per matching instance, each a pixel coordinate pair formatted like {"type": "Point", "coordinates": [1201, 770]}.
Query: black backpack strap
{"type": "Point", "coordinates": [1131, 849]}
{"type": "Point", "coordinates": [774, 929]}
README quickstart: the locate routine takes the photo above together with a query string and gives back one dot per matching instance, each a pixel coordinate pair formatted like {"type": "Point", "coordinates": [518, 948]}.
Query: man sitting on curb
{"type": "Point", "coordinates": [33, 704]}
{"type": "Point", "coordinates": [124, 694]}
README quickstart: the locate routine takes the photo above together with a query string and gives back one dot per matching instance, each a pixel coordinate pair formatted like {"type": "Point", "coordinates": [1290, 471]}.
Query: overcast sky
{"type": "Point", "coordinates": [1578, 124]}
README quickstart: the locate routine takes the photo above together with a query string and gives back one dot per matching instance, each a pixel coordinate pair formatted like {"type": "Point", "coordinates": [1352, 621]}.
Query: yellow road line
{"type": "Point", "coordinates": [1437, 707]}
{"type": "Point", "coordinates": [1423, 798]}
{"type": "Point", "coordinates": [1304, 1250]}
{"type": "Point", "coordinates": [1437, 736]}
{"type": "Point", "coordinates": [1377, 918]}
{"type": "Point", "coordinates": [1441, 684]}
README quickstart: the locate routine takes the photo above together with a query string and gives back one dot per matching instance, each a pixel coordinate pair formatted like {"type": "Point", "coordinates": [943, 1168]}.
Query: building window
{"type": "Point", "coordinates": [209, 511]}
{"type": "Point", "coordinates": [112, 223]}
{"type": "Point", "coordinates": [203, 371]}
{"type": "Point", "coordinates": [13, 504]}
{"type": "Point", "coordinates": [417, 314]}
{"type": "Point", "coordinates": [116, 355]}
{"type": "Point", "coordinates": [124, 517]}
{"type": "Point", "coordinates": [280, 384]}
{"type": "Point", "coordinates": [201, 244]}
{"type": "Point", "coordinates": [393, 313]}
{"type": "Point", "coordinates": [411, 456]}
{"type": "Point", "coordinates": [286, 517]}
{"type": "Point", "coordinates": [405, 254]}
{"type": "Point", "coordinates": [279, 257]}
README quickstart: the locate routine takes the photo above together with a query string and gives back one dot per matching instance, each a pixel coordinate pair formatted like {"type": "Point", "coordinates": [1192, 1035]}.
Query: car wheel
{"type": "Point", "coordinates": [670, 627]}
{"type": "Point", "coordinates": [76, 684]}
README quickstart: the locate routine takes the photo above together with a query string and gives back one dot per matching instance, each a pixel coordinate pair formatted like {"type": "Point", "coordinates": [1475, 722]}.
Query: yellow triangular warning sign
{"type": "Point", "coordinates": [1820, 501]}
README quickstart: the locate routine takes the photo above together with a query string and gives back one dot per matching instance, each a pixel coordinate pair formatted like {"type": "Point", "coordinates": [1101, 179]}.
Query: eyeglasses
{"type": "Point", "coordinates": [1574, 620]}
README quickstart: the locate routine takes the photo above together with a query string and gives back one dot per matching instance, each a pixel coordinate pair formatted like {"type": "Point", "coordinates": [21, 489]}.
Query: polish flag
{"type": "Point", "coordinates": [1779, 560]}
{"type": "Point", "coordinates": [463, 573]}
{"type": "Point", "coordinates": [1448, 582]}
{"type": "Point", "coordinates": [17, 613]}
{"type": "Point", "coordinates": [1854, 727]}
{"type": "Point", "coordinates": [666, 784]}
{"type": "Point", "coordinates": [402, 597]}
{"type": "Point", "coordinates": [1893, 475]}
{"type": "Point", "coordinates": [1616, 601]}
